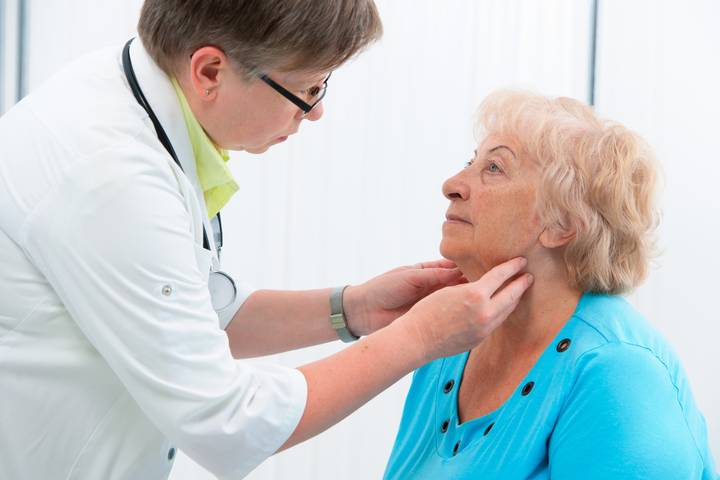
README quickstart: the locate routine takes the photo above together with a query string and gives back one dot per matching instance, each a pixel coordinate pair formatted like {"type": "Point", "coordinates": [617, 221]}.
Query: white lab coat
{"type": "Point", "coordinates": [110, 352]}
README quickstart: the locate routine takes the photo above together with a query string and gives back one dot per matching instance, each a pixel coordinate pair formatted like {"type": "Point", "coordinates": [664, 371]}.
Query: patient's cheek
{"type": "Point", "coordinates": [504, 225]}
{"type": "Point", "coordinates": [508, 226]}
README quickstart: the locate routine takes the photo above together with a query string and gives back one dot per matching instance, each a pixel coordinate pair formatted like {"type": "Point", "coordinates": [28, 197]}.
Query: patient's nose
{"type": "Point", "coordinates": [454, 188]}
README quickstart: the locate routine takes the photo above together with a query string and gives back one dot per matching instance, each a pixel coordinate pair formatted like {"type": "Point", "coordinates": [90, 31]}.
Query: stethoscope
{"type": "Point", "coordinates": [223, 290]}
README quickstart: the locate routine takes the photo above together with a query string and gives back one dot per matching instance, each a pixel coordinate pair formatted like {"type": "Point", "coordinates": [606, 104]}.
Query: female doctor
{"type": "Point", "coordinates": [119, 333]}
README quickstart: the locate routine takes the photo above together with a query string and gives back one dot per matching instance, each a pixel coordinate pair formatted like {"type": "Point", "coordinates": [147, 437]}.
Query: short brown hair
{"type": "Point", "coordinates": [288, 35]}
{"type": "Point", "coordinates": [598, 178]}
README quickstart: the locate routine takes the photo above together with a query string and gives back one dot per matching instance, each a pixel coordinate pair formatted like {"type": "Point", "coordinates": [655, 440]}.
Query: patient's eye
{"type": "Point", "coordinates": [493, 168]}
{"type": "Point", "coordinates": [469, 162]}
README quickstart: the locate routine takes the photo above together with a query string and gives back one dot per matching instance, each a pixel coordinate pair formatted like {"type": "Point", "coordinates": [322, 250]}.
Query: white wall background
{"type": "Point", "coordinates": [359, 192]}
{"type": "Point", "coordinates": [659, 72]}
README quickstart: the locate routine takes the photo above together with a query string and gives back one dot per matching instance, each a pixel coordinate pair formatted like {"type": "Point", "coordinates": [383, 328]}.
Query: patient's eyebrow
{"type": "Point", "coordinates": [505, 147]}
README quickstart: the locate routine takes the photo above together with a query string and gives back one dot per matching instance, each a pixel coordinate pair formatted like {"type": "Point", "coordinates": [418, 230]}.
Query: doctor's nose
{"type": "Point", "coordinates": [315, 114]}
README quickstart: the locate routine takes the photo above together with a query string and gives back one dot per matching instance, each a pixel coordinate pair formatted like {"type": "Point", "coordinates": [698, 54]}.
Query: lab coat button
{"type": "Point", "coordinates": [489, 427]}
{"type": "Point", "coordinates": [167, 290]}
{"type": "Point", "coordinates": [171, 453]}
{"type": "Point", "coordinates": [456, 448]}
{"type": "Point", "coordinates": [449, 386]}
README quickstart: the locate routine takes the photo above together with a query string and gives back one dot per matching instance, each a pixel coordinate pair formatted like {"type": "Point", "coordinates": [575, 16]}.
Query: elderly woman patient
{"type": "Point", "coordinates": [575, 384]}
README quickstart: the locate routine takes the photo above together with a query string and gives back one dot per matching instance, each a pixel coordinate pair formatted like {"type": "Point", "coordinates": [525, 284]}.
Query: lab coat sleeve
{"type": "Point", "coordinates": [226, 314]}
{"type": "Point", "coordinates": [115, 240]}
{"type": "Point", "coordinates": [622, 419]}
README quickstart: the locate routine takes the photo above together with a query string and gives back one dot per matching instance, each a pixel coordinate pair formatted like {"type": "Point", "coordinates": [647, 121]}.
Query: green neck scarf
{"type": "Point", "coordinates": [215, 178]}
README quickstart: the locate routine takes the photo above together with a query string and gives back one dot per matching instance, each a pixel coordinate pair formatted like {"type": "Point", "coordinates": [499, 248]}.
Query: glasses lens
{"type": "Point", "coordinates": [317, 93]}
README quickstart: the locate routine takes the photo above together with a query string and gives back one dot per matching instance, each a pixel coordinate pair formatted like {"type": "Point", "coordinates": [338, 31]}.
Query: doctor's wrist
{"type": "Point", "coordinates": [355, 310]}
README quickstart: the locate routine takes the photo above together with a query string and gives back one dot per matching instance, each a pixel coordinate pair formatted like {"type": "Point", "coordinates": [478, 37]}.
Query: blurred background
{"type": "Point", "coordinates": [358, 192]}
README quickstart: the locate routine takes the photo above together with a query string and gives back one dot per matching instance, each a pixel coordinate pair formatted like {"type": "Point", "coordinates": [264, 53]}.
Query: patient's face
{"type": "Point", "coordinates": [492, 215]}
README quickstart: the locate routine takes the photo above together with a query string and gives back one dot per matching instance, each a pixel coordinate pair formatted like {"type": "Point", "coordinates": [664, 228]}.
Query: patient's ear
{"type": "Point", "coordinates": [557, 236]}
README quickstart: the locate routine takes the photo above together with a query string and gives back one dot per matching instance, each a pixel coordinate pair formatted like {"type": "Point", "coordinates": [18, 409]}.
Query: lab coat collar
{"type": "Point", "coordinates": [161, 96]}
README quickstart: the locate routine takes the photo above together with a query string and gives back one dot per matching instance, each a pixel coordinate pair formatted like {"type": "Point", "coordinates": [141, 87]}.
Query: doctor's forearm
{"type": "Point", "coordinates": [342, 383]}
{"type": "Point", "coordinates": [272, 321]}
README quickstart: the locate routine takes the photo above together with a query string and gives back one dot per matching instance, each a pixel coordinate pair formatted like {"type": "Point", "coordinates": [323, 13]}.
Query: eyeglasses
{"type": "Point", "coordinates": [315, 94]}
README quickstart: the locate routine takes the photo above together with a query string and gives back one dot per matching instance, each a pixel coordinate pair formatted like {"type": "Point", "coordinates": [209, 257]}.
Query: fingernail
{"type": "Point", "coordinates": [530, 279]}
{"type": "Point", "coordinates": [523, 260]}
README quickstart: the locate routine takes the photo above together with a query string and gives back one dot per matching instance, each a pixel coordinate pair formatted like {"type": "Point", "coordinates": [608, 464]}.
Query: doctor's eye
{"type": "Point", "coordinates": [311, 92]}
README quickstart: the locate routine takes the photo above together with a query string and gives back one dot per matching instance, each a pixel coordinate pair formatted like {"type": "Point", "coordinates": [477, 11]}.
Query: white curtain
{"type": "Point", "coordinates": [358, 192]}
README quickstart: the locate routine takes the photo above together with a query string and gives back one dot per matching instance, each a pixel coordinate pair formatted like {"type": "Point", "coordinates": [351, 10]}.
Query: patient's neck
{"type": "Point", "coordinates": [542, 311]}
{"type": "Point", "coordinates": [496, 366]}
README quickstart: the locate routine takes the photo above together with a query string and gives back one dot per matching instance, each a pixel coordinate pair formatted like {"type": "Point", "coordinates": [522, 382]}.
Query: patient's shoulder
{"type": "Point", "coordinates": [612, 342]}
{"type": "Point", "coordinates": [630, 407]}
{"type": "Point", "coordinates": [626, 391]}
{"type": "Point", "coordinates": [609, 319]}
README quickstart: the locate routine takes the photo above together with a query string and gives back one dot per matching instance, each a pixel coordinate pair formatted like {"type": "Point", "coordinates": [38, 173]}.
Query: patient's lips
{"type": "Point", "coordinates": [453, 218]}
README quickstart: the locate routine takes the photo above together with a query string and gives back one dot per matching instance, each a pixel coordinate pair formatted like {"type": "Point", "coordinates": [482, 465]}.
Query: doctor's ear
{"type": "Point", "coordinates": [207, 68]}
{"type": "Point", "coordinates": [556, 236]}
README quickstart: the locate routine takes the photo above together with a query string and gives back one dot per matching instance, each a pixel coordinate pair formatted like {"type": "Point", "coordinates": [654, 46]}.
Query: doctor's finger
{"type": "Point", "coordinates": [434, 278]}
{"type": "Point", "coordinates": [442, 263]}
{"type": "Point", "coordinates": [506, 299]}
{"type": "Point", "coordinates": [452, 283]}
{"type": "Point", "coordinates": [498, 275]}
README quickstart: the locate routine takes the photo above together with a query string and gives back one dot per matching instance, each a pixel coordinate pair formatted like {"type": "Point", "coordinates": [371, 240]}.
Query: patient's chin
{"type": "Point", "coordinates": [452, 250]}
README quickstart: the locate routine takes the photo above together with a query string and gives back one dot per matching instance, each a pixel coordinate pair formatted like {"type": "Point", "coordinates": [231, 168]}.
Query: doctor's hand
{"type": "Point", "coordinates": [451, 320]}
{"type": "Point", "coordinates": [377, 302]}
{"type": "Point", "coordinates": [456, 319]}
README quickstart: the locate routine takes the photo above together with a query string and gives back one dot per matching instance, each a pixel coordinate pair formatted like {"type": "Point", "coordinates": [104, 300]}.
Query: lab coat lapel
{"type": "Point", "coordinates": [162, 98]}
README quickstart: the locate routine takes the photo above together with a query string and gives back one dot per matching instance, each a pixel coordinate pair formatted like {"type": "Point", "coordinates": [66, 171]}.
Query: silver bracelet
{"type": "Point", "coordinates": [337, 316]}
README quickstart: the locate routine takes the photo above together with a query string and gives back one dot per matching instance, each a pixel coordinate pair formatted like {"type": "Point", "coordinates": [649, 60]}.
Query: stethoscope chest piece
{"type": "Point", "coordinates": [222, 290]}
